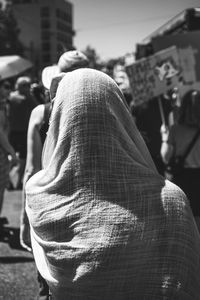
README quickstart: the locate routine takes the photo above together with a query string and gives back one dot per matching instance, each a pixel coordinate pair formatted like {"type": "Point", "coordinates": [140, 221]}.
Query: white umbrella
{"type": "Point", "coordinates": [13, 65]}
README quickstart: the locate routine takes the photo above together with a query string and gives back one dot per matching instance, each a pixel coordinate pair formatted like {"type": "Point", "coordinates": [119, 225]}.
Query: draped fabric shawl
{"type": "Point", "coordinates": [104, 224]}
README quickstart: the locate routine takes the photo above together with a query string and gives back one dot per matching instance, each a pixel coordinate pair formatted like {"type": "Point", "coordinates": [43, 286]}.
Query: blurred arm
{"type": "Point", "coordinates": [33, 165]}
{"type": "Point", "coordinates": [4, 142]}
{"type": "Point", "coordinates": [167, 149]}
{"type": "Point", "coordinates": [166, 152]}
{"type": "Point", "coordinates": [34, 143]}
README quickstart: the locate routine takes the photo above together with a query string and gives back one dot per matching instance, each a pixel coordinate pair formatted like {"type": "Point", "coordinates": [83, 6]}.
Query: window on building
{"type": "Point", "coordinates": [66, 28]}
{"type": "Point", "coordinates": [46, 58]}
{"type": "Point", "coordinates": [45, 35]}
{"type": "Point", "coordinates": [64, 16]}
{"type": "Point", "coordinates": [58, 13]}
{"type": "Point", "coordinates": [45, 12]}
{"type": "Point", "coordinates": [58, 25]}
{"type": "Point", "coordinates": [45, 24]}
{"type": "Point", "coordinates": [45, 46]}
{"type": "Point", "coordinates": [70, 18]}
{"type": "Point", "coordinates": [23, 1]}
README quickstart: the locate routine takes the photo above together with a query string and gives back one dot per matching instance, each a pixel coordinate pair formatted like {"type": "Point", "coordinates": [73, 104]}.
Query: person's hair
{"type": "Point", "coordinates": [38, 91]}
{"type": "Point", "coordinates": [190, 109]}
{"type": "Point", "coordinates": [72, 60]}
{"type": "Point", "coordinates": [23, 81]}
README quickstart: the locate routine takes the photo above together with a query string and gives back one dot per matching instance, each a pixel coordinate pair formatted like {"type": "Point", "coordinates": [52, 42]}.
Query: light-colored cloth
{"type": "Point", "coordinates": [104, 224]}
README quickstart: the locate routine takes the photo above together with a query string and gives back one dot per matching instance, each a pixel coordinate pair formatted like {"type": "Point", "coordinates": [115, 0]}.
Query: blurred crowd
{"type": "Point", "coordinates": [167, 134]}
{"type": "Point", "coordinates": [17, 102]}
{"type": "Point", "coordinates": [19, 96]}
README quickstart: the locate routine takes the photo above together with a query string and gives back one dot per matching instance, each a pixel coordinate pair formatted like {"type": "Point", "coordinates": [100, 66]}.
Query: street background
{"type": "Point", "coordinates": [17, 268]}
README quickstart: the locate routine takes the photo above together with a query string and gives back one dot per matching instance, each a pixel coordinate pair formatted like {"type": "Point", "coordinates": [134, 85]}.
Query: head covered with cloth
{"type": "Point", "coordinates": [104, 223]}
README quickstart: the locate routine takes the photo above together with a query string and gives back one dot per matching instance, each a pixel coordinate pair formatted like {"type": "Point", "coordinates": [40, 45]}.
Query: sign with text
{"type": "Point", "coordinates": [155, 75]}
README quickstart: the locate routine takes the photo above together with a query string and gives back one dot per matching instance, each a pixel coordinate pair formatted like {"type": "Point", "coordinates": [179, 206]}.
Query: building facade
{"type": "Point", "coordinates": [46, 29]}
{"type": "Point", "coordinates": [185, 22]}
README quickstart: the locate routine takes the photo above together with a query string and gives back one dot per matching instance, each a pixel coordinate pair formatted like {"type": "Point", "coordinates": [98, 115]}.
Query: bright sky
{"type": "Point", "coordinates": [113, 27]}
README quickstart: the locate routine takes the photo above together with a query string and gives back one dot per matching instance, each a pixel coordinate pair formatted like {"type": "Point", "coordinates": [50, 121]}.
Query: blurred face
{"type": "Point", "coordinates": [5, 89]}
{"type": "Point", "coordinates": [25, 88]}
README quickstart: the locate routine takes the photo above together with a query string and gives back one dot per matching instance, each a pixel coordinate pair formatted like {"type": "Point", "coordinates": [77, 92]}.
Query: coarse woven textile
{"type": "Point", "coordinates": [104, 224]}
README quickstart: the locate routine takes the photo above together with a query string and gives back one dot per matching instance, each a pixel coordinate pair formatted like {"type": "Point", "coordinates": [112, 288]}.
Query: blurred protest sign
{"type": "Point", "coordinates": [181, 41]}
{"type": "Point", "coordinates": [155, 75]}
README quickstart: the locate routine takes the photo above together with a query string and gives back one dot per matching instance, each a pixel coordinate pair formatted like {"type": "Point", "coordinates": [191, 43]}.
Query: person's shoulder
{"type": "Point", "coordinates": [38, 110]}
{"type": "Point", "coordinates": [170, 187]}
{"type": "Point", "coordinates": [177, 211]}
{"type": "Point", "coordinates": [37, 114]}
{"type": "Point", "coordinates": [174, 199]}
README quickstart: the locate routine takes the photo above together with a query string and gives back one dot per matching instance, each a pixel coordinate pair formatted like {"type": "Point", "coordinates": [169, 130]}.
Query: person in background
{"type": "Point", "coordinates": [68, 61]}
{"type": "Point", "coordinates": [148, 120]}
{"type": "Point", "coordinates": [21, 105]}
{"type": "Point", "coordinates": [121, 78]}
{"type": "Point", "coordinates": [7, 152]}
{"type": "Point", "coordinates": [37, 129]}
{"type": "Point", "coordinates": [104, 223]}
{"type": "Point", "coordinates": [174, 99]}
{"type": "Point", "coordinates": [175, 141]}
{"type": "Point", "coordinates": [38, 92]}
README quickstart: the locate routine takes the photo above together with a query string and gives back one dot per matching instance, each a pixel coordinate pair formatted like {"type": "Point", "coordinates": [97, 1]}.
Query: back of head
{"type": "Point", "coordinates": [69, 61]}
{"type": "Point", "coordinates": [72, 60]}
{"type": "Point", "coordinates": [23, 84]}
{"type": "Point", "coordinates": [190, 109]}
{"type": "Point", "coordinates": [38, 91]}
{"type": "Point", "coordinates": [21, 81]}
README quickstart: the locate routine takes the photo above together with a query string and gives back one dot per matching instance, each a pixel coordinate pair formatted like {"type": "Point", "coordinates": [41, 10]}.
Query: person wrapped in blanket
{"type": "Point", "coordinates": [104, 223]}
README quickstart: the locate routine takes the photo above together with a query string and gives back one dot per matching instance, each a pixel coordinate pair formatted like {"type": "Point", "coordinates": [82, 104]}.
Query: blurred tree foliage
{"type": "Point", "coordinates": [9, 32]}
{"type": "Point", "coordinates": [95, 61]}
